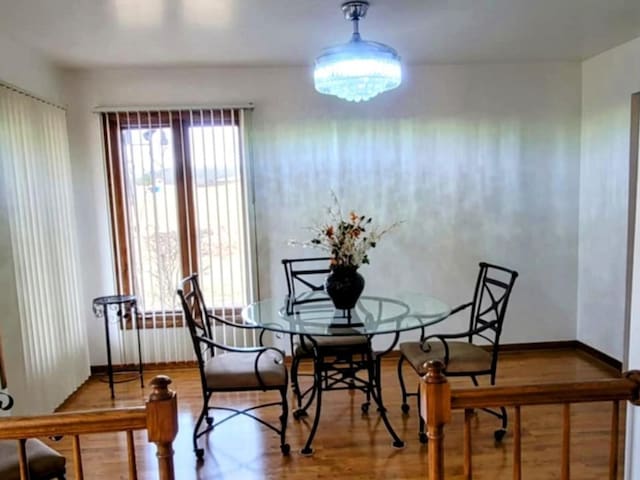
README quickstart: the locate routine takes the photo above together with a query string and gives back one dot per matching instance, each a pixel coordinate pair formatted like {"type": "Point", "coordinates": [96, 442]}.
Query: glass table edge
{"type": "Point", "coordinates": [424, 321]}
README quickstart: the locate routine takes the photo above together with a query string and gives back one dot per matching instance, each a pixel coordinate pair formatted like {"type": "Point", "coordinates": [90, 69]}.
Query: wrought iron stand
{"type": "Point", "coordinates": [125, 308]}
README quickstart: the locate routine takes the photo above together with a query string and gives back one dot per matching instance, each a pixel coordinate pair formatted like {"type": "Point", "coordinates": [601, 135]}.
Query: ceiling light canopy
{"type": "Point", "coordinates": [358, 70]}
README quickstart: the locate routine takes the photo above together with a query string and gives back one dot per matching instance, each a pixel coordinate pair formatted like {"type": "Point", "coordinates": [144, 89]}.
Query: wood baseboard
{"type": "Point", "coordinates": [102, 369]}
{"type": "Point", "coordinates": [603, 357]}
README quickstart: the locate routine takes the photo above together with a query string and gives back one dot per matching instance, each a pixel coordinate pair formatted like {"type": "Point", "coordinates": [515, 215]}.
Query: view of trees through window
{"type": "Point", "coordinates": [177, 196]}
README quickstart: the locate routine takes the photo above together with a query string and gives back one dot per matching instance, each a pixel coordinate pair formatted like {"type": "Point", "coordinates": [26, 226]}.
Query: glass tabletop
{"type": "Point", "coordinates": [314, 314]}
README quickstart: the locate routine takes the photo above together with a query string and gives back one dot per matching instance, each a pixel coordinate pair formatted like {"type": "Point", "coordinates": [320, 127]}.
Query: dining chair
{"type": "Point", "coordinates": [227, 368]}
{"type": "Point", "coordinates": [44, 462]}
{"type": "Point", "coordinates": [473, 352]}
{"type": "Point", "coordinates": [340, 358]}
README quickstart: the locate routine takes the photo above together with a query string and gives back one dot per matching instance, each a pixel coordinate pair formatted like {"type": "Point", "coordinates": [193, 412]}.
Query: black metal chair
{"type": "Point", "coordinates": [339, 357]}
{"type": "Point", "coordinates": [466, 358]}
{"type": "Point", "coordinates": [225, 368]}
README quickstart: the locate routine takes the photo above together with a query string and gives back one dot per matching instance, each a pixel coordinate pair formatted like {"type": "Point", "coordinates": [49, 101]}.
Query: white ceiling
{"type": "Point", "coordinates": [85, 33]}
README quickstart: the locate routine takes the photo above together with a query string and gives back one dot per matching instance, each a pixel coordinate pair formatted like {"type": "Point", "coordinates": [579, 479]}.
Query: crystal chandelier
{"type": "Point", "coordinates": [360, 69]}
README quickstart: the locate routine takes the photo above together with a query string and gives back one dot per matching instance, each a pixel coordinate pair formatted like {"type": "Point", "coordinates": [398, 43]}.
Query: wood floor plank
{"type": "Point", "coordinates": [356, 446]}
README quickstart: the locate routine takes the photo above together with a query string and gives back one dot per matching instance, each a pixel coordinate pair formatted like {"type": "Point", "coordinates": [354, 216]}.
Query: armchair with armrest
{"type": "Point", "coordinates": [340, 357]}
{"type": "Point", "coordinates": [226, 368]}
{"type": "Point", "coordinates": [459, 352]}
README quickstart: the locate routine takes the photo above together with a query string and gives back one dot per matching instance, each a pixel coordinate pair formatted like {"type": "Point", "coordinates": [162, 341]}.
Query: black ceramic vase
{"type": "Point", "coordinates": [344, 285]}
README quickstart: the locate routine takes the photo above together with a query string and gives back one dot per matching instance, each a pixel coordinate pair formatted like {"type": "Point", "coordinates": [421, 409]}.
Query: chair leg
{"type": "Point", "coordinates": [405, 405]}
{"type": "Point", "coordinates": [204, 413]}
{"type": "Point", "coordinates": [501, 432]}
{"type": "Point", "coordinates": [284, 447]}
{"type": "Point", "coordinates": [295, 387]}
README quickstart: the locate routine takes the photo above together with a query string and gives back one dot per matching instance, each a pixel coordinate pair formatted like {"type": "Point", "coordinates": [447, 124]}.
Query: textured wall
{"type": "Point", "coordinates": [480, 162]}
{"type": "Point", "coordinates": [609, 80]}
{"type": "Point", "coordinates": [27, 69]}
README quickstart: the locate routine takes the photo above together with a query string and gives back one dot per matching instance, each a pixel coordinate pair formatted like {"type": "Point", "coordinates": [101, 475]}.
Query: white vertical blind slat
{"type": "Point", "coordinates": [229, 268]}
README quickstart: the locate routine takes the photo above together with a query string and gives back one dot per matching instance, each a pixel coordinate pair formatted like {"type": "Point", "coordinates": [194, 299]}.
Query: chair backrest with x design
{"type": "Point", "coordinates": [305, 278]}
{"type": "Point", "coordinates": [195, 313]}
{"type": "Point", "coordinates": [490, 299]}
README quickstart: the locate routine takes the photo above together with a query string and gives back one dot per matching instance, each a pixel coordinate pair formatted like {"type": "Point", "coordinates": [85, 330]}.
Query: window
{"type": "Point", "coordinates": [177, 201]}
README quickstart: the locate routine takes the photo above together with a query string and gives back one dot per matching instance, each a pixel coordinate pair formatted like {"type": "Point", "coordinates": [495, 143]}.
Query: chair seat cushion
{"type": "Point", "coordinates": [44, 462]}
{"type": "Point", "coordinates": [463, 356]}
{"type": "Point", "coordinates": [235, 370]}
{"type": "Point", "coordinates": [357, 343]}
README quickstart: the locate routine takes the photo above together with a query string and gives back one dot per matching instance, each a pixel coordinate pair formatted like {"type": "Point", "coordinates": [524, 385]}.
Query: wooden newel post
{"type": "Point", "coordinates": [435, 408]}
{"type": "Point", "coordinates": [162, 423]}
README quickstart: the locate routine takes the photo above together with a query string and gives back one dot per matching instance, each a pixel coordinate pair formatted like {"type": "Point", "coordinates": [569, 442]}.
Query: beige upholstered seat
{"type": "Point", "coordinates": [236, 371]}
{"type": "Point", "coordinates": [44, 462]}
{"type": "Point", "coordinates": [463, 356]}
{"type": "Point", "coordinates": [229, 368]}
{"type": "Point", "coordinates": [457, 351]}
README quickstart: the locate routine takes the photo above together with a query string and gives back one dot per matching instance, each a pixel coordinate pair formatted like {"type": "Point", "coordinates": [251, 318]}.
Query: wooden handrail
{"type": "Point", "coordinates": [437, 401]}
{"type": "Point", "coordinates": [544, 394]}
{"type": "Point", "coordinates": [159, 417]}
{"type": "Point", "coordinates": [95, 421]}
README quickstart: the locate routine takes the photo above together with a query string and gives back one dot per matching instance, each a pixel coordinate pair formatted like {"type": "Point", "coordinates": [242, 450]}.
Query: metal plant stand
{"type": "Point", "coordinates": [125, 309]}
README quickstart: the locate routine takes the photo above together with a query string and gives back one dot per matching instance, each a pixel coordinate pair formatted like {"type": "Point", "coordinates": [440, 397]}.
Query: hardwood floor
{"type": "Point", "coordinates": [356, 446]}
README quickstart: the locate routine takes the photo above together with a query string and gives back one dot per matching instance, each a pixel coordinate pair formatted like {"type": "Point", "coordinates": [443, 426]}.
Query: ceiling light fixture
{"type": "Point", "coordinates": [360, 69]}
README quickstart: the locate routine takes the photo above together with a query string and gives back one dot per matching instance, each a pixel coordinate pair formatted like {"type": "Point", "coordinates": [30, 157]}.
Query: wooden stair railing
{"type": "Point", "coordinates": [159, 417]}
{"type": "Point", "coordinates": [437, 401]}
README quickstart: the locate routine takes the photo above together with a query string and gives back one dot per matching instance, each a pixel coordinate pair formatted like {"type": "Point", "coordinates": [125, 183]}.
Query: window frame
{"type": "Point", "coordinates": [179, 121]}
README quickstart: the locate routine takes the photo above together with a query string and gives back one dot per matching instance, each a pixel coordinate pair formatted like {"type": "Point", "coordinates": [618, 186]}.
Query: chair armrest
{"type": "Point", "coordinates": [211, 316]}
{"type": "Point", "coordinates": [238, 325]}
{"type": "Point", "coordinates": [227, 348]}
{"type": "Point", "coordinates": [459, 308]}
{"type": "Point", "coordinates": [443, 337]}
{"type": "Point", "coordinates": [278, 361]}
{"type": "Point", "coordinates": [449, 336]}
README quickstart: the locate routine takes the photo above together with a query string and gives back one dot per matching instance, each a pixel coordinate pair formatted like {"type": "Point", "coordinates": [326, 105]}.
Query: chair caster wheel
{"type": "Point", "coordinates": [405, 408]}
{"type": "Point", "coordinates": [285, 449]}
{"type": "Point", "coordinates": [298, 414]}
{"type": "Point", "coordinates": [209, 421]}
{"type": "Point", "coordinates": [499, 434]}
{"type": "Point", "coordinates": [199, 453]}
{"type": "Point", "coordinates": [423, 438]}
{"type": "Point", "coordinates": [364, 407]}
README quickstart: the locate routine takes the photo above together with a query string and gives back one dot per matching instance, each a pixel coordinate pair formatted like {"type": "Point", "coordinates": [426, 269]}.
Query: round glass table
{"type": "Point", "coordinates": [312, 315]}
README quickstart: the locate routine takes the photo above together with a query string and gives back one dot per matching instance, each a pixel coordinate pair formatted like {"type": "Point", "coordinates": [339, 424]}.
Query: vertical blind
{"type": "Point", "coordinates": [177, 183]}
{"type": "Point", "coordinates": [37, 192]}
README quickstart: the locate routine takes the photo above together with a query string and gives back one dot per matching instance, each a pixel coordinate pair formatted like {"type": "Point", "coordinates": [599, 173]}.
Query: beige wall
{"type": "Point", "coordinates": [25, 68]}
{"type": "Point", "coordinates": [609, 80]}
{"type": "Point", "coordinates": [481, 163]}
